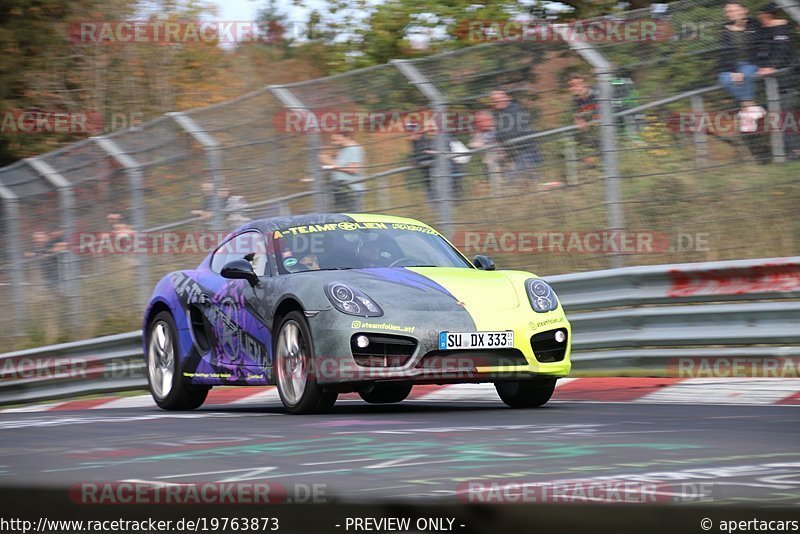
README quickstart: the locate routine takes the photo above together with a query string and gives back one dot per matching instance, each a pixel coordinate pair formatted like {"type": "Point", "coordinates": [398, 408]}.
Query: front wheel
{"type": "Point", "coordinates": [526, 393]}
{"type": "Point", "coordinates": [386, 393]}
{"type": "Point", "coordinates": [163, 368]}
{"type": "Point", "coordinates": [294, 368]}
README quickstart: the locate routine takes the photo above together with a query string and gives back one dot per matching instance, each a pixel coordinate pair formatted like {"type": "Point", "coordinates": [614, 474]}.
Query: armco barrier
{"type": "Point", "coordinates": [630, 318]}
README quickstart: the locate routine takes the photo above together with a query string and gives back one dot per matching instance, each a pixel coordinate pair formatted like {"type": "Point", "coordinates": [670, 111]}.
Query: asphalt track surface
{"type": "Point", "coordinates": [419, 451]}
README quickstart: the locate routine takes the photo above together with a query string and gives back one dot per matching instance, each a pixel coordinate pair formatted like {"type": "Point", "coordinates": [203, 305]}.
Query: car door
{"type": "Point", "coordinates": [238, 333]}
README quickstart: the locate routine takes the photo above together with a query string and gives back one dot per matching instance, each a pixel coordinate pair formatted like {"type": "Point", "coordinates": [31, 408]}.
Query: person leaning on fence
{"type": "Point", "coordinates": [345, 168]}
{"type": "Point", "coordinates": [484, 136]}
{"type": "Point", "coordinates": [775, 52]}
{"type": "Point", "coordinates": [738, 70]}
{"type": "Point", "coordinates": [584, 116]}
{"type": "Point", "coordinates": [511, 122]}
{"type": "Point", "coordinates": [422, 154]}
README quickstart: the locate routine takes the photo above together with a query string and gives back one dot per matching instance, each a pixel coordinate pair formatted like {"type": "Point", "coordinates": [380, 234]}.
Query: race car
{"type": "Point", "coordinates": [330, 303]}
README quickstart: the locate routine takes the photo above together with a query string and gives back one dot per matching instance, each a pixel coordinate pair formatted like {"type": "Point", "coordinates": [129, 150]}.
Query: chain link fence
{"type": "Point", "coordinates": [494, 144]}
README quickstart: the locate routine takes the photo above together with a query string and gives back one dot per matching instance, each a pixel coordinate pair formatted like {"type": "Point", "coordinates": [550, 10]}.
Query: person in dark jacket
{"type": "Point", "coordinates": [424, 154]}
{"type": "Point", "coordinates": [775, 50]}
{"type": "Point", "coordinates": [738, 70]}
{"type": "Point", "coordinates": [511, 121]}
{"type": "Point", "coordinates": [776, 53]}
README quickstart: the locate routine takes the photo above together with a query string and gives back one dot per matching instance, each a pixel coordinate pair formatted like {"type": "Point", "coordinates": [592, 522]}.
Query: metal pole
{"type": "Point", "coordinates": [610, 155]}
{"type": "Point", "coordinates": [135, 185]}
{"type": "Point", "coordinates": [14, 250]}
{"type": "Point", "coordinates": [66, 197]}
{"type": "Point", "coordinates": [700, 141]}
{"type": "Point", "coordinates": [291, 102]}
{"type": "Point", "coordinates": [774, 107]}
{"type": "Point", "coordinates": [212, 149]}
{"type": "Point", "coordinates": [571, 158]}
{"type": "Point", "coordinates": [441, 173]}
{"type": "Point", "coordinates": [321, 197]}
{"type": "Point", "coordinates": [791, 7]}
{"type": "Point", "coordinates": [608, 131]}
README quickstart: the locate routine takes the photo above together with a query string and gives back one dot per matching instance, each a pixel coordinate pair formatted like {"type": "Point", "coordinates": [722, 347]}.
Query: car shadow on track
{"type": "Point", "coordinates": [359, 408]}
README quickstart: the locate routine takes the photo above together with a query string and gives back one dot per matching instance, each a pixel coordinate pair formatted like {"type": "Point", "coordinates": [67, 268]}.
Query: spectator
{"type": "Point", "coordinates": [585, 113]}
{"type": "Point", "coordinates": [511, 121]}
{"type": "Point", "coordinates": [484, 136]}
{"type": "Point", "coordinates": [232, 205]}
{"type": "Point", "coordinates": [737, 63]}
{"type": "Point", "coordinates": [422, 154]}
{"type": "Point", "coordinates": [37, 253]}
{"type": "Point", "coordinates": [53, 266]}
{"type": "Point", "coordinates": [775, 52]}
{"type": "Point", "coordinates": [345, 168]}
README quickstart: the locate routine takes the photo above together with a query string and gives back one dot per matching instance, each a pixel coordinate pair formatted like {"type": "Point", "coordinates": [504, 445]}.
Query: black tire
{"type": "Point", "coordinates": [313, 398]}
{"type": "Point", "coordinates": [180, 395]}
{"type": "Point", "coordinates": [526, 393]}
{"type": "Point", "coordinates": [386, 393]}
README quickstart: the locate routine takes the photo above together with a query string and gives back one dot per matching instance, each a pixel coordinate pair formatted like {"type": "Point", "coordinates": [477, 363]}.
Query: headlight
{"type": "Point", "coordinates": [352, 301]}
{"type": "Point", "coordinates": [543, 298]}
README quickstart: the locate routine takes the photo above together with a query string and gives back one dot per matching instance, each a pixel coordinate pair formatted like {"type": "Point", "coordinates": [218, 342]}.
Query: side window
{"type": "Point", "coordinates": [249, 246]}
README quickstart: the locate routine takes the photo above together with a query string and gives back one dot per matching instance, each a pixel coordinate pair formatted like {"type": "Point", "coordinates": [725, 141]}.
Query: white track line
{"type": "Point", "coordinates": [725, 391]}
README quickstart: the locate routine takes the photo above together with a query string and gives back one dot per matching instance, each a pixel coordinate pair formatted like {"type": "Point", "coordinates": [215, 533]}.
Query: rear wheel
{"type": "Point", "coordinates": [294, 368]}
{"type": "Point", "coordinates": [386, 393]}
{"type": "Point", "coordinates": [526, 393]}
{"type": "Point", "coordinates": [163, 368]}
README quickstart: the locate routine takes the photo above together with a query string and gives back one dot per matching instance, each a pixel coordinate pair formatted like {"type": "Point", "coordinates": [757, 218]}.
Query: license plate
{"type": "Point", "coordinates": [476, 340]}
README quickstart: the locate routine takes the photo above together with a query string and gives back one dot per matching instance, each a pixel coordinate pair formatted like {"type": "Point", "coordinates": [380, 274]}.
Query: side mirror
{"type": "Point", "coordinates": [482, 262]}
{"type": "Point", "coordinates": [240, 269]}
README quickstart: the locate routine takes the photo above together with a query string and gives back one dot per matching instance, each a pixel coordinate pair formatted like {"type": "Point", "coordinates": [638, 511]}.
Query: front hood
{"type": "Point", "coordinates": [489, 290]}
{"type": "Point", "coordinates": [429, 288]}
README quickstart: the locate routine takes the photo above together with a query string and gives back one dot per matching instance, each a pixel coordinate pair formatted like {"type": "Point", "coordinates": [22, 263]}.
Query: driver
{"type": "Point", "coordinates": [369, 253]}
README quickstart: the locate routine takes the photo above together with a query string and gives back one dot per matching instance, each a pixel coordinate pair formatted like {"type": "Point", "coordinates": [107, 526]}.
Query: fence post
{"type": "Point", "coordinates": [791, 7]}
{"type": "Point", "coordinates": [134, 172]}
{"type": "Point", "coordinates": [66, 197]}
{"type": "Point", "coordinates": [604, 70]}
{"type": "Point", "coordinates": [571, 158]}
{"type": "Point", "coordinates": [14, 253]}
{"type": "Point", "coordinates": [699, 135]}
{"type": "Point", "coordinates": [442, 180]}
{"type": "Point", "coordinates": [610, 155]}
{"type": "Point", "coordinates": [291, 102]}
{"type": "Point", "coordinates": [212, 150]}
{"type": "Point", "coordinates": [774, 107]}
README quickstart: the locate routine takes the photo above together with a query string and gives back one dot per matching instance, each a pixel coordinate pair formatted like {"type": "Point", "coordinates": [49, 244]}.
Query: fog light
{"type": "Point", "coordinates": [560, 336]}
{"type": "Point", "coordinates": [362, 342]}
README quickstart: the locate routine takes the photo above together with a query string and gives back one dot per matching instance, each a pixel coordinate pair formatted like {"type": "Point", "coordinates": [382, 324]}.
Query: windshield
{"type": "Point", "coordinates": [350, 245]}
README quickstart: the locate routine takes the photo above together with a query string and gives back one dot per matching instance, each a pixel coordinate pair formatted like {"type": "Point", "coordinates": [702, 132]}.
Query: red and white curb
{"type": "Point", "coordinates": [737, 391]}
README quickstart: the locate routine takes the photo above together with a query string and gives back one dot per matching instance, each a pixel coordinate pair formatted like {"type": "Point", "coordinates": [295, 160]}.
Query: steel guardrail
{"type": "Point", "coordinates": [642, 318]}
